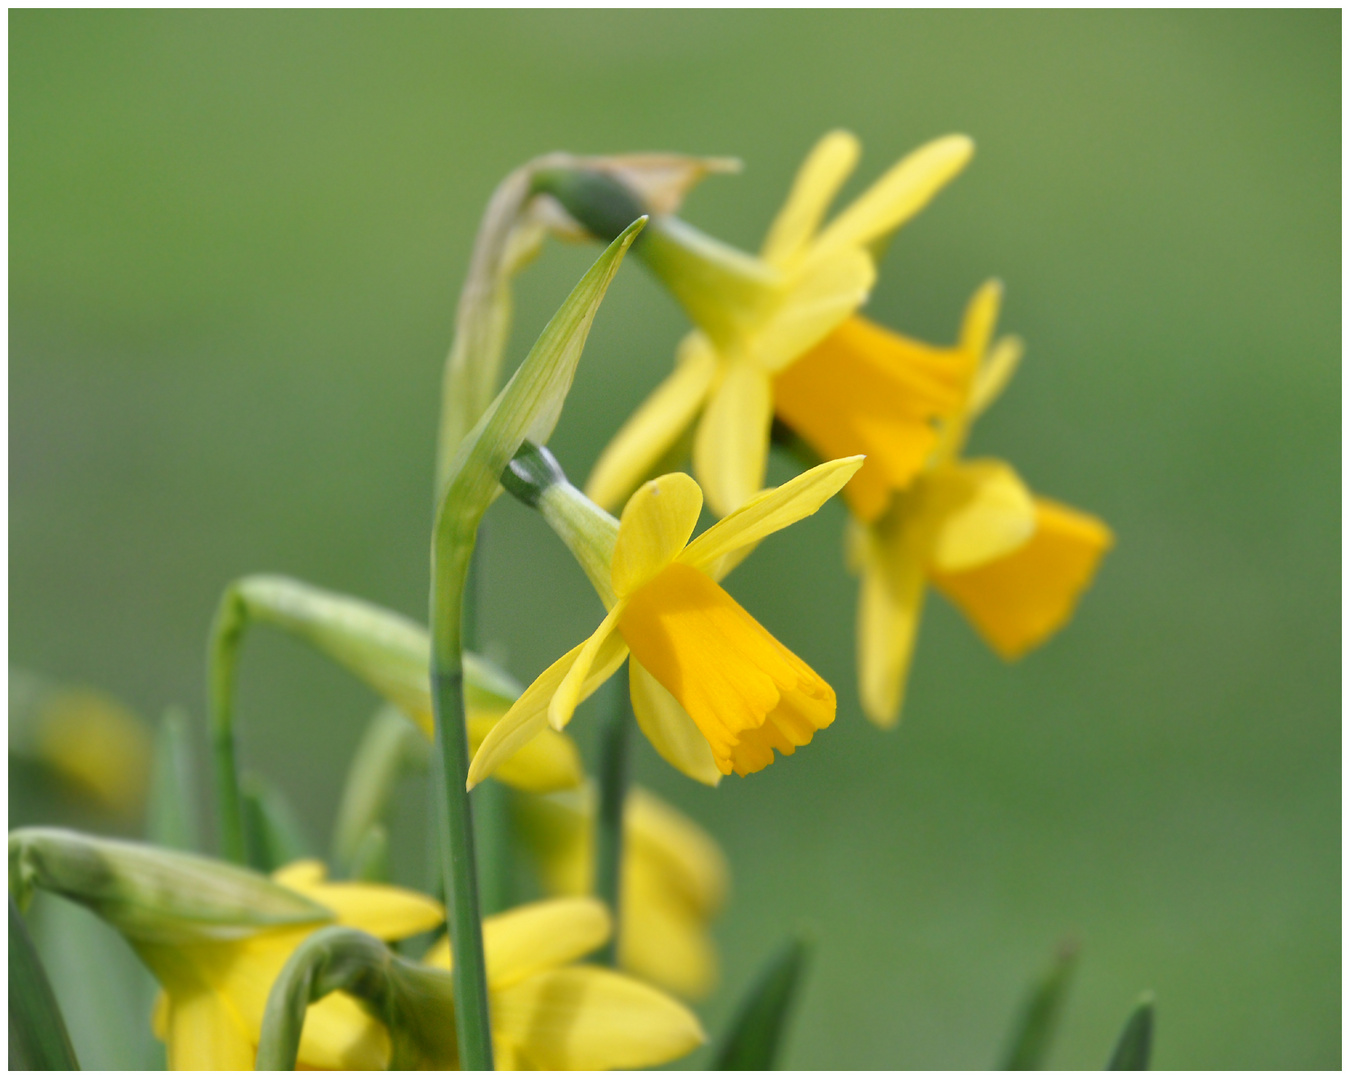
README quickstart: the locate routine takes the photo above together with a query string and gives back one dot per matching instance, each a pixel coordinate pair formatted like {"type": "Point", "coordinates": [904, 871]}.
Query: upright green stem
{"type": "Point", "coordinates": [613, 774]}
{"type": "Point", "coordinates": [491, 811]}
{"type": "Point", "coordinates": [226, 631]}
{"type": "Point", "coordinates": [450, 770]}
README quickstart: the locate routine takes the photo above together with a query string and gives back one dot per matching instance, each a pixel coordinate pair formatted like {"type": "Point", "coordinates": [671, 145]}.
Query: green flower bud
{"type": "Point", "coordinates": [152, 894]}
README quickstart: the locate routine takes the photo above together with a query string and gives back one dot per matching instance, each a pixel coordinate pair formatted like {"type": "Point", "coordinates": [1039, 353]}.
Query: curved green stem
{"type": "Point", "coordinates": [226, 631]}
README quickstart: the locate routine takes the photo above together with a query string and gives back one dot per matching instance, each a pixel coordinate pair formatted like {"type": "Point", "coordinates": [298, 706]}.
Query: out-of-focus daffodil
{"type": "Point", "coordinates": [1013, 562]}
{"type": "Point", "coordinates": [711, 688]}
{"type": "Point", "coordinates": [85, 737]}
{"type": "Point", "coordinates": [755, 316]}
{"type": "Point", "coordinates": [210, 1013]}
{"type": "Point", "coordinates": [549, 1012]}
{"type": "Point", "coordinates": [674, 881]}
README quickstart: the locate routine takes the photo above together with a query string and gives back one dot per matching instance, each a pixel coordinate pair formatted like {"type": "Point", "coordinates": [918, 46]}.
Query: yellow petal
{"type": "Point", "coordinates": [656, 427]}
{"type": "Point", "coordinates": [340, 1034]}
{"type": "Point", "coordinates": [817, 183]}
{"type": "Point", "coordinates": [689, 859]}
{"type": "Point", "coordinates": [829, 289]}
{"type": "Point", "coordinates": [570, 691]}
{"type": "Point", "coordinates": [981, 316]}
{"type": "Point", "coordinates": [732, 443]}
{"type": "Point", "coordinates": [669, 728]}
{"type": "Point", "coordinates": [768, 512]}
{"type": "Point", "coordinates": [995, 374]}
{"type": "Point", "coordinates": [656, 524]}
{"type": "Point", "coordinates": [548, 762]}
{"type": "Point", "coordinates": [204, 1032]}
{"type": "Point", "coordinates": [980, 510]}
{"type": "Point", "coordinates": [239, 975]}
{"type": "Point", "coordinates": [535, 937]}
{"type": "Point", "coordinates": [385, 911]}
{"type": "Point", "coordinates": [889, 606]}
{"type": "Point", "coordinates": [592, 1018]}
{"type": "Point", "coordinates": [868, 390]}
{"type": "Point", "coordinates": [97, 743]}
{"type": "Point", "coordinates": [528, 716]}
{"type": "Point", "coordinates": [159, 1016]}
{"type": "Point", "coordinates": [747, 693]}
{"type": "Point", "coordinates": [301, 874]}
{"type": "Point", "coordinates": [662, 939]}
{"type": "Point", "coordinates": [1019, 600]}
{"type": "Point", "coordinates": [899, 194]}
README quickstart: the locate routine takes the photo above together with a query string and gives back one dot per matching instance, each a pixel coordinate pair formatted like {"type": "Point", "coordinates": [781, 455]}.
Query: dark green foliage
{"type": "Point", "coordinates": [1135, 1045]}
{"type": "Point", "coordinates": [755, 1038]}
{"type": "Point", "coordinates": [37, 1034]}
{"type": "Point", "coordinates": [1030, 1042]}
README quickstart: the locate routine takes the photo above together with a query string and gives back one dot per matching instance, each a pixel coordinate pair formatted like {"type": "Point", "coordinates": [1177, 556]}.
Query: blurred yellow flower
{"type": "Point", "coordinates": [756, 315]}
{"type": "Point", "coordinates": [711, 688]}
{"type": "Point", "coordinates": [1014, 563]}
{"type": "Point", "coordinates": [549, 1012]}
{"type": "Point", "coordinates": [215, 991]}
{"type": "Point", "coordinates": [85, 737]}
{"type": "Point", "coordinates": [674, 881]}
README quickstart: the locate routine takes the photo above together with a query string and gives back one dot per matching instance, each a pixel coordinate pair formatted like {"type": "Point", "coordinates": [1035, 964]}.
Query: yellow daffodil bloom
{"type": "Point", "coordinates": [549, 1012]}
{"type": "Point", "coordinates": [711, 688]}
{"type": "Point", "coordinates": [755, 316]}
{"type": "Point", "coordinates": [674, 881]}
{"type": "Point", "coordinates": [1014, 563]}
{"type": "Point", "coordinates": [214, 992]}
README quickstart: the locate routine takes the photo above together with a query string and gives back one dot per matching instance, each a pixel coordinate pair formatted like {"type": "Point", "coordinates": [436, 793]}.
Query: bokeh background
{"type": "Point", "coordinates": [235, 245]}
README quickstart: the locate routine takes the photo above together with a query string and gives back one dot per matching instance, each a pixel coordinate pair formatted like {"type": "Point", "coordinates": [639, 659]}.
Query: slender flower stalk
{"type": "Point", "coordinates": [452, 554]}
{"type": "Point", "coordinates": [609, 847]}
{"type": "Point", "coordinates": [226, 632]}
{"type": "Point", "coordinates": [527, 409]}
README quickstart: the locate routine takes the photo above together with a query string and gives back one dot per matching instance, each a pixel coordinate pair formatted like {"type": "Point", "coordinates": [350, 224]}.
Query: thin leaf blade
{"type": "Point", "coordinates": [1029, 1043]}
{"type": "Point", "coordinates": [755, 1039]}
{"type": "Point", "coordinates": [37, 1033]}
{"type": "Point", "coordinates": [1134, 1048]}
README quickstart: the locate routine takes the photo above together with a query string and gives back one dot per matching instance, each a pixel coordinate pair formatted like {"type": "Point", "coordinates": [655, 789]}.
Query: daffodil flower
{"type": "Point", "coordinates": [549, 1012]}
{"type": "Point", "coordinates": [755, 316]}
{"type": "Point", "coordinates": [215, 991]}
{"type": "Point", "coordinates": [1014, 563]}
{"type": "Point", "coordinates": [673, 884]}
{"type": "Point", "coordinates": [712, 689]}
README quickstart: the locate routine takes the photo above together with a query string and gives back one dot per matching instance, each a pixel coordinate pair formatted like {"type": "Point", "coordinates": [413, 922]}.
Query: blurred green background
{"type": "Point", "coordinates": [235, 244]}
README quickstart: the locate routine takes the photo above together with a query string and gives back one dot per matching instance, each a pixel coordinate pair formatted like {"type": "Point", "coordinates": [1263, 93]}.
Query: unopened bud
{"type": "Point", "coordinates": [151, 894]}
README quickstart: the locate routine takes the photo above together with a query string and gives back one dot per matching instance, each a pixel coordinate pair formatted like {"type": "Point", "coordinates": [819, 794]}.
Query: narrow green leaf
{"type": "Point", "coordinates": [275, 835]}
{"type": "Point", "coordinates": [370, 861]}
{"type": "Point", "coordinates": [527, 408]}
{"type": "Point", "coordinates": [1029, 1043]}
{"type": "Point", "coordinates": [172, 812]}
{"type": "Point", "coordinates": [755, 1038]}
{"type": "Point", "coordinates": [390, 748]}
{"type": "Point", "coordinates": [37, 1034]}
{"type": "Point", "coordinates": [1134, 1048]}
